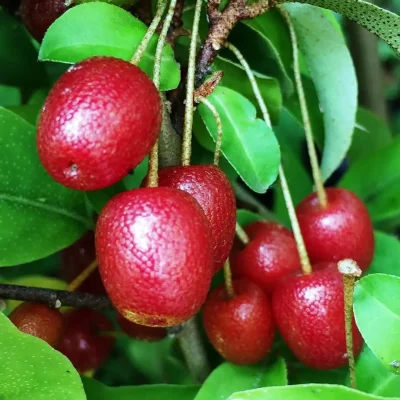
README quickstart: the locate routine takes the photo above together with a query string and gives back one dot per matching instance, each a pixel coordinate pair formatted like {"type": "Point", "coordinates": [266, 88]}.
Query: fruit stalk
{"type": "Point", "coordinates": [82, 276]}
{"type": "Point", "coordinates": [228, 280]}
{"type": "Point", "coordinates": [241, 234]}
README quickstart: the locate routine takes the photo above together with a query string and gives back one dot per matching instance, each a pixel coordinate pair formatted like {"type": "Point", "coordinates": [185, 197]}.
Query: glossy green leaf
{"type": "Point", "coordinates": [230, 378]}
{"type": "Point", "coordinates": [19, 65]}
{"type": "Point", "coordinates": [101, 29]}
{"type": "Point", "coordinates": [372, 377]}
{"type": "Point", "coordinates": [38, 216]}
{"type": "Point", "coordinates": [246, 217]}
{"type": "Point", "coordinates": [9, 96]}
{"type": "Point", "coordinates": [377, 313]}
{"type": "Point", "coordinates": [29, 112]}
{"type": "Point", "coordinates": [382, 23]}
{"type": "Point", "coordinates": [332, 71]}
{"type": "Point", "coordinates": [305, 392]}
{"type": "Point", "coordinates": [248, 143]}
{"type": "Point", "coordinates": [236, 78]}
{"type": "Point", "coordinates": [33, 370]}
{"type": "Point", "coordinates": [386, 255]}
{"type": "Point", "coordinates": [119, 3]}
{"type": "Point", "coordinates": [97, 391]}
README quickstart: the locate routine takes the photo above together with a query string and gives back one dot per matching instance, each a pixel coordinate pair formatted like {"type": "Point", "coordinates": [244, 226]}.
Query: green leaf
{"type": "Point", "coordinates": [332, 71]}
{"type": "Point", "coordinates": [248, 143]}
{"type": "Point", "coordinates": [9, 96]}
{"type": "Point", "coordinates": [386, 255]}
{"type": "Point", "coordinates": [381, 22]}
{"type": "Point", "coordinates": [119, 3]}
{"type": "Point", "coordinates": [230, 378]}
{"type": "Point", "coordinates": [377, 313]}
{"type": "Point", "coordinates": [19, 65]}
{"type": "Point", "coordinates": [99, 198]}
{"type": "Point", "coordinates": [97, 391]}
{"type": "Point", "coordinates": [29, 112]}
{"type": "Point", "coordinates": [38, 216]}
{"type": "Point", "coordinates": [246, 217]}
{"type": "Point", "coordinates": [236, 78]}
{"type": "Point", "coordinates": [32, 369]}
{"type": "Point", "coordinates": [372, 377]}
{"type": "Point", "coordinates": [305, 392]}
{"type": "Point", "coordinates": [101, 29]}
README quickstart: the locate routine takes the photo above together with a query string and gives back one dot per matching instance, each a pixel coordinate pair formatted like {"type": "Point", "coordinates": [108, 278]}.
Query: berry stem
{"type": "Point", "coordinates": [150, 32]}
{"type": "Point", "coordinates": [78, 281]}
{"type": "Point", "coordinates": [350, 271]}
{"type": "Point", "coordinates": [189, 106]}
{"type": "Point", "coordinates": [218, 142]}
{"type": "Point", "coordinates": [241, 234]}
{"type": "Point", "coordinates": [228, 280]}
{"type": "Point", "coordinates": [301, 248]}
{"type": "Point", "coordinates": [316, 172]}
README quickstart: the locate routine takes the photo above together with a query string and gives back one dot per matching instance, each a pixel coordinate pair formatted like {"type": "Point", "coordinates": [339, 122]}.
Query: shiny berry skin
{"type": "Point", "coordinates": [241, 328]}
{"type": "Point", "coordinates": [38, 15]}
{"type": "Point", "coordinates": [342, 230]}
{"type": "Point", "coordinates": [155, 256]}
{"type": "Point", "coordinates": [141, 332]}
{"type": "Point", "coordinates": [82, 343]}
{"type": "Point", "coordinates": [309, 312]}
{"type": "Point", "coordinates": [270, 255]}
{"type": "Point", "coordinates": [213, 191]}
{"type": "Point", "coordinates": [77, 257]}
{"type": "Point", "coordinates": [39, 320]}
{"type": "Point", "coordinates": [100, 120]}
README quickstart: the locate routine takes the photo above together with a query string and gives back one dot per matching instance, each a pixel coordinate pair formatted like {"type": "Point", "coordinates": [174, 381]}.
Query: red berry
{"type": "Point", "coordinates": [39, 320]}
{"type": "Point", "coordinates": [155, 255]}
{"type": "Point", "coordinates": [77, 257]}
{"type": "Point", "coordinates": [240, 328]}
{"type": "Point", "coordinates": [82, 342]}
{"type": "Point", "coordinates": [99, 121]}
{"type": "Point", "coordinates": [213, 191]}
{"type": "Point", "coordinates": [38, 15]}
{"type": "Point", "coordinates": [341, 230]}
{"type": "Point", "coordinates": [141, 332]}
{"type": "Point", "coordinates": [270, 255]}
{"type": "Point", "coordinates": [309, 312]}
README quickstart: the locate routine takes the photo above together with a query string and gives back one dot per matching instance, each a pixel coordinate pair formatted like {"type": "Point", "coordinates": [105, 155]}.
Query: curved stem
{"type": "Point", "coordinates": [241, 234]}
{"type": "Point", "coordinates": [150, 32]}
{"type": "Point", "coordinates": [189, 107]}
{"type": "Point", "coordinates": [218, 142]}
{"type": "Point", "coordinates": [316, 172]}
{"type": "Point", "coordinates": [82, 276]}
{"type": "Point", "coordinates": [228, 280]}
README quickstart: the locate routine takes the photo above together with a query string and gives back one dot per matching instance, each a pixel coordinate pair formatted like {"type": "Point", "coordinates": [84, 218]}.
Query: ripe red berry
{"type": "Point", "coordinates": [213, 191]}
{"type": "Point", "coordinates": [39, 320]}
{"type": "Point", "coordinates": [240, 328]}
{"type": "Point", "coordinates": [141, 332]}
{"type": "Point", "coordinates": [77, 257]}
{"type": "Point", "coordinates": [309, 312]}
{"type": "Point", "coordinates": [270, 255]}
{"type": "Point", "coordinates": [82, 342]}
{"type": "Point", "coordinates": [155, 255]}
{"type": "Point", "coordinates": [99, 121]}
{"type": "Point", "coordinates": [341, 230]}
{"type": "Point", "coordinates": [38, 15]}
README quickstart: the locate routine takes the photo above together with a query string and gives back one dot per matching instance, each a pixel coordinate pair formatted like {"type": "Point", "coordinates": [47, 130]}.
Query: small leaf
{"type": "Point", "coordinates": [101, 29]}
{"type": "Point", "coordinates": [33, 370]}
{"type": "Point", "coordinates": [372, 377]}
{"type": "Point", "coordinates": [377, 313]}
{"type": "Point", "coordinates": [38, 216]}
{"type": "Point", "coordinates": [229, 378]}
{"type": "Point", "coordinates": [305, 392]}
{"type": "Point", "coordinates": [332, 71]}
{"type": "Point", "coordinates": [96, 390]}
{"type": "Point", "coordinates": [382, 23]}
{"type": "Point", "coordinates": [9, 96]}
{"type": "Point", "coordinates": [246, 217]}
{"type": "Point", "coordinates": [248, 143]}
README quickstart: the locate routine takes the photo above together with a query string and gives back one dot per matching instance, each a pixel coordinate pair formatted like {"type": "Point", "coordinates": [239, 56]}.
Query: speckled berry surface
{"type": "Point", "coordinates": [342, 230]}
{"type": "Point", "coordinates": [155, 255]}
{"type": "Point", "coordinates": [270, 255]}
{"type": "Point", "coordinates": [213, 191]}
{"type": "Point", "coordinates": [309, 312]}
{"type": "Point", "coordinates": [38, 15]}
{"type": "Point", "coordinates": [241, 329]}
{"type": "Point", "coordinates": [39, 320]}
{"type": "Point", "coordinates": [141, 332]}
{"type": "Point", "coordinates": [82, 342]}
{"type": "Point", "coordinates": [100, 120]}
